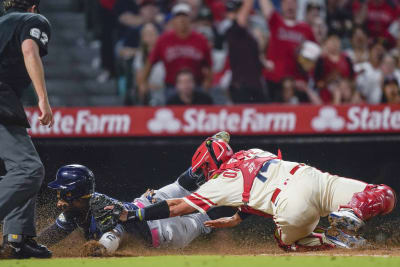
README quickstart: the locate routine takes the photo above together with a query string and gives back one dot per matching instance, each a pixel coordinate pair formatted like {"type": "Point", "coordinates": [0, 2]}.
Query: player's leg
{"type": "Point", "coordinates": [174, 190]}
{"type": "Point", "coordinates": [338, 192]}
{"type": "Point", "coordinates": [295, 221]}
{"type": "Point", "coordinates": [295, 212]}
{"type": "Point", "coordinates": [178, 232]}
{"type": "Point", "coordinates": [361, 205]}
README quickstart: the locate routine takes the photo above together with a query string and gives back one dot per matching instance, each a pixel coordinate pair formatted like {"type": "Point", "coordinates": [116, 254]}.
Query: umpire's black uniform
{"type": "Point", "coordinates": [25, 172]}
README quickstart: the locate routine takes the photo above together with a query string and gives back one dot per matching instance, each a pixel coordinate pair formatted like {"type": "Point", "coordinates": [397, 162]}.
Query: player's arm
{"type": "Point", "coordinates": [161, 210]}
{"type": "Point", "coordinates": [225, 222]}
{"type": "Point", "coordinates": [34, 38]}
{"type": "Point", "coordinates": [34, 66]}
{"type": "Point", "coordinates": [57, 231]}
{"type": "Point", "coordinates": [209, 195]}
{"type": "Point", "coordinates": [267, 8]}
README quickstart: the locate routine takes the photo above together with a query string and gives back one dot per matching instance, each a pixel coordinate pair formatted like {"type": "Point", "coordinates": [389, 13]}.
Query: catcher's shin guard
{"type": "Point", "coordinates": [316, 241]}
{"type": "Point", "coordinates": [374, 200]}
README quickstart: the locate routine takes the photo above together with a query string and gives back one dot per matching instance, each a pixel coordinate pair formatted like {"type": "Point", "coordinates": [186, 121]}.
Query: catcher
{"type": "Point", "coordinates": [293, 194]}
{"type": "Point", "coordinates": [75, 185]}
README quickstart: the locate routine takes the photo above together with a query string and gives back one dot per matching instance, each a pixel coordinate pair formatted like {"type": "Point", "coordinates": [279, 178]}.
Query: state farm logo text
{"type": "Point", "coordinates": [357, 119]}
{"type": "Point", "coordinates": [201, 120]}
{"type": "Point", "coordinates": [83, 122]}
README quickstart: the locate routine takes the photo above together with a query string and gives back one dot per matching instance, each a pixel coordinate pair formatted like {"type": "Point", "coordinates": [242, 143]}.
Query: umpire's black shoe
{"type": "Point", "coordinates": [22, 247]}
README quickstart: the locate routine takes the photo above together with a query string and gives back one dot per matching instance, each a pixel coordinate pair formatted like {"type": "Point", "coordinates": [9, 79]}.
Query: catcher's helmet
{"type": "Point", "coordinates": [210, 155]}
{"type": "Point", "coordinates": [73, 181]}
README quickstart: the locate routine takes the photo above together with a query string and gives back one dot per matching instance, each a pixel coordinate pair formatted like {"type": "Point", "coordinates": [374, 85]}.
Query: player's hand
{"type": "Point", "coordinates": [123, 215]}
{"type": "Point", "coordinates": [46, 117]}
{"type": "Point", "coordinates": [225, 222]}
{"type": "Point", "coordinates": [93, 249]}
{"type": "Point", "coordinates": [106, 219]}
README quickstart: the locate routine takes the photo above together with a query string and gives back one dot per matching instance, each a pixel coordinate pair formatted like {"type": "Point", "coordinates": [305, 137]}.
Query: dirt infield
{"type": "Point", "coordinates": [218, 243]}
{"type": "Point", "coordinates": [252, 237]}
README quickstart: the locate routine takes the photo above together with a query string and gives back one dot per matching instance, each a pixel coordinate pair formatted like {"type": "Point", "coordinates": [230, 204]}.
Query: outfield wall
{"type": "Point", "coordinates": [124, 168]}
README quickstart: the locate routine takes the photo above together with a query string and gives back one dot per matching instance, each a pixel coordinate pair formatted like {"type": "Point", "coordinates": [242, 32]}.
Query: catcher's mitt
{"type": "Point", "coordinates": [93, 248]}
{"type": "Point", "coordinates": [106, 220]}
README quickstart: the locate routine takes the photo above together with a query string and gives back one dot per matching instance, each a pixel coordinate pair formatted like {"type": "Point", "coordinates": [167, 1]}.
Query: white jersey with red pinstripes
{"type": "Point", "coordinates": [227, 188]}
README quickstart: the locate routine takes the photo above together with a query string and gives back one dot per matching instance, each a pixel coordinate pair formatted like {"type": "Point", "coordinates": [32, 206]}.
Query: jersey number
{"type": "Point", "coordinates": [42, 36]}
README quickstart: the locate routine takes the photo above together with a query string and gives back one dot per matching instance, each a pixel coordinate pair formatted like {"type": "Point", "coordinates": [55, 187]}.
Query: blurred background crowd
{"type": "Point", "coordinates": [182, 52]}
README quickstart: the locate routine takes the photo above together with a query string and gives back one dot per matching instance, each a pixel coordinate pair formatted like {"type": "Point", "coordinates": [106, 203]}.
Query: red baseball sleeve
{"type": "Point", "coordinates": [211, 194]}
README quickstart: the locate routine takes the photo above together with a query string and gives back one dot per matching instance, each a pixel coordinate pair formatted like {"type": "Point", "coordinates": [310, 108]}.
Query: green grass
{"type": "Point", "coordinates": [210, 261]}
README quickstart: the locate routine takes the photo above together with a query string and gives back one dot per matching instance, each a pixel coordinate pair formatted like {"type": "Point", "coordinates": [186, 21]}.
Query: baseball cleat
{"type": "Point", "coordinates": [23, 248]}
{"type": "Point", "coordinates": [345, 219]}
{"type": "Point", "coordinates": [343, 240]}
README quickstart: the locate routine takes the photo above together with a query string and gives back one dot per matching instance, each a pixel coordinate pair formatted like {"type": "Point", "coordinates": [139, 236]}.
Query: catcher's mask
{"type": "Point", "coordinates": [210, 155]}
{"type": "Point", "coordinates": [72, 182]}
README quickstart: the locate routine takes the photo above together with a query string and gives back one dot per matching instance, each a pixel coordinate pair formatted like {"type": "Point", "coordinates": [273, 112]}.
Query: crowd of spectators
{"type": "Point", "coordinates": [182, 52]}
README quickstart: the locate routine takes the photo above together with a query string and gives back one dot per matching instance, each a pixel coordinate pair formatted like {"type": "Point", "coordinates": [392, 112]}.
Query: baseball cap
{"type": "Point", "coordinates": [310, 50]}
{"type": "Point", "coordinates": [181, 9]}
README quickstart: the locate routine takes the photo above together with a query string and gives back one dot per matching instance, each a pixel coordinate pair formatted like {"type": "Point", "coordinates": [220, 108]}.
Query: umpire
{"type": "Point", "coordinates": [24, 37]}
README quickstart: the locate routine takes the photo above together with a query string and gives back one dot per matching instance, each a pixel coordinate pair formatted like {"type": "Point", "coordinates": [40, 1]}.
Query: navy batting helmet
{"type": "Point", "coordinates": [73, 181]}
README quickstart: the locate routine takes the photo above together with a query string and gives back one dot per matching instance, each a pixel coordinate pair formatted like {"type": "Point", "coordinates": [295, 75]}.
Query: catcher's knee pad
{"type": "Point", "coordinates": [316, 241]}
{"type": "Point", "coordinates": [374, 200]}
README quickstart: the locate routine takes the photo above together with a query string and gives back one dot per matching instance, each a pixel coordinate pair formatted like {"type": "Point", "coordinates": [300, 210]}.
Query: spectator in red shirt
{"type": "Point", "coordinates": [286, 34]}
{"type": "Point", "coordinates": [377, 15]}
{"type": "Point", "coordinates": [331, 67]}
{"type": "Point", "coordinates": [180, 48]}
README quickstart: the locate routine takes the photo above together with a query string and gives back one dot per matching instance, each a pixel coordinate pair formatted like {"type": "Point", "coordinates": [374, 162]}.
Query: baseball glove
{"type": "Point", "coordinates": [106, 219]}
{"type": "Point", "coordinates": [93, 248]}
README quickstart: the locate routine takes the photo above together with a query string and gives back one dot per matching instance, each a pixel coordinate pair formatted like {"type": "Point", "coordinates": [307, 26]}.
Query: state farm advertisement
{"type": "Point", "coordinates": [206, 120]}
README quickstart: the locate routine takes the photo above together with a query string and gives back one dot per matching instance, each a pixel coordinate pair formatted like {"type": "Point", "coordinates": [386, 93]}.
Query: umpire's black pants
{"type": "Point", "coordinates": [20, 185]}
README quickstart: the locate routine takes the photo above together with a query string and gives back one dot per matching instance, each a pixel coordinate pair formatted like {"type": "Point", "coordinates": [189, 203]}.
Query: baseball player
{"type": "Point", "coordinates": [77, 198]}
{"type": "Point", "coordinates": [295, 195]}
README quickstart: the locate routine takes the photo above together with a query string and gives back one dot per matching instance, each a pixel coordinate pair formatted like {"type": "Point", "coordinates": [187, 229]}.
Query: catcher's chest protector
{"type": "Point", "coordinates": [249, 169]}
